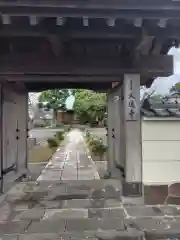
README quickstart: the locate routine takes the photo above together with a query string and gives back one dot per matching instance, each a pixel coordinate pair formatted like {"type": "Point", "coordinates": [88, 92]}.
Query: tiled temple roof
{"type": "Point", "coordinates": [160, 109]}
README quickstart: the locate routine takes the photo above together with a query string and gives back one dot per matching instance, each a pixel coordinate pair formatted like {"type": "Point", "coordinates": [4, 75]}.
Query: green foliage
{"type": "Point", "coordinates": [52, 143]}
{"type": "Point", "coordinates": [96, 145]}
{"type": "Point", "coordinates": [60, 136]}
{"type": "Point", "coordinates": [98, 148]}
{"type": "Point", "coordinates": [89, 105]}
{"type": "Point", "coordinates": [89, 138]}
{"type": "Point", "coordinates": [54, 99]}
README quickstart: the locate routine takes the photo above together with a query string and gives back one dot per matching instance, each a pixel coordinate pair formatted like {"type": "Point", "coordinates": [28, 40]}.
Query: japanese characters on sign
{"type": "Point", "coordinates": [131, 102]}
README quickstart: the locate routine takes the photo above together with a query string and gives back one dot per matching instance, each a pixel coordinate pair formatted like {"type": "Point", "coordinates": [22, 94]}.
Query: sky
{"type": "Point", "coordinates": [160, 85]}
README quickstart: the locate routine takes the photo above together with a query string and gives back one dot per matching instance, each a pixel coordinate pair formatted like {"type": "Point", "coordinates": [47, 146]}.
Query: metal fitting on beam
{"type": "Point", "coordinates": [111, 22]}
{"type": "Point", "coordinates": [60, 21]}
{"type": "Point", "coordinates": [33, 20]}
{"type": "Point", "coordinates": [162, 23]}
{"type": "Point", "coordinates": [6, 19]}
{"type": "Point", "coordinates": [85, 21]}
{"type": "Point", "coordinates": [138, 22]}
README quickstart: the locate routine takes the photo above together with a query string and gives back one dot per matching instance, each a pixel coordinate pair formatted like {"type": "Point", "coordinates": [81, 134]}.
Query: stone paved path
{"type": "Point", "coordinates": [71, 161]}
{"type": "Point", "coordinates": [81, 210]}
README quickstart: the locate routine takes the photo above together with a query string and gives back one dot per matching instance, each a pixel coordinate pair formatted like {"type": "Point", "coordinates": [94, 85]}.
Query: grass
{"type": "Point", "coordinates": [40, 153]}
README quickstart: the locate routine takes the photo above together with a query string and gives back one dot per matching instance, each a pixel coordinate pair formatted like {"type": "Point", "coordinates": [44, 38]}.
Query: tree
{"type": "Point", "coordinates": [89, 105]}
{"type": "Point", "coordinates": [175, 88]}
{"type": "Point", "coordinates": [54, 99]}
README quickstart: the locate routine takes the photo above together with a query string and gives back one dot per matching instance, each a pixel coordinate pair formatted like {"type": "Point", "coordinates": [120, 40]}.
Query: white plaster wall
{"type": "Point", "coordinates": [161, 150]}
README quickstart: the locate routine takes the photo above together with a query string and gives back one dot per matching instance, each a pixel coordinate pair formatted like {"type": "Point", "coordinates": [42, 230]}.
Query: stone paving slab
{"type": "Point", "coordinates": [144, 211]}
{"type": "Point", "coordinates": [78, 225]}
{"type": "Point", "coordinates": [37, 236]}
{"type": "Point", "coordinates": [47, 226]}
{"type": "Point", "coordinates": [118, 235]}
{"type": "Point", "coordinates": [34, 214]}
{"type": "Point", "coordinates": [13, 227]}
{"type": "Point", "coordinates": [56, 214]}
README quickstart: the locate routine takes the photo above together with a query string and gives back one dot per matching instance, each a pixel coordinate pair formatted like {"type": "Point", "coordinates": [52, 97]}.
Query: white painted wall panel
{"type": "Point", "coordinates": [161, 130]}
{"type": "Point", "coordinates": [161, 151]}
{"type": "Point", "coordinates": [161, 172]}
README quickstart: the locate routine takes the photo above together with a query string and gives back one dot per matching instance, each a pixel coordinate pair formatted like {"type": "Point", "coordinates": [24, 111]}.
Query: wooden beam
{"type": "Point", "coordinates": [98, 8]}
{"type": "Point", "coordinates": [157, 46]}
{"type": "Point", "coordinates": [56, 79]}
{"type": "Point", "coordinates": [145, 45]}
{"type": "Point", "coordinates": [37, 87]}
{"type": "Point", "coordinates": [120, 32]}
{"type": "Point", "coordinates": [114, 4]}
{"type": "Point", "coordinates": [54, 6]}
{"type": "Point", "coordinates": [151, 66]}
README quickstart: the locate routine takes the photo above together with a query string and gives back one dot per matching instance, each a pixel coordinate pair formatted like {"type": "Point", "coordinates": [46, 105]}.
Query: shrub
{"type": "Point", "coordinates": [90, 140]}
{"type": "Point", "coordinates": [97, 148]}
{"type": "Point", "coordinates": [52, 143]}
{"type": "Point", "coordinates": [60, 136]}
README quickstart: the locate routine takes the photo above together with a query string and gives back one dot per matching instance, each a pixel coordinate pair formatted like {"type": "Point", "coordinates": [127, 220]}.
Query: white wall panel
{"type": "Point", "coordinates": [161, 130]}
{"type": "Point", "coordinates": [161, 172]}
{"type": "Point", "coordinates": [161, 151]}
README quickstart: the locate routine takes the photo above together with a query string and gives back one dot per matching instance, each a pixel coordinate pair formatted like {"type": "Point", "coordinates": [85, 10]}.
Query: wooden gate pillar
{"type": "Point", "coordinates": [111, 135]}
{"type": "Point", "coordinates": [22, 131]}
{"type": "Point", "coordinates": [119, 142]}
{"type": "Point", "coordinates": [132, 138]}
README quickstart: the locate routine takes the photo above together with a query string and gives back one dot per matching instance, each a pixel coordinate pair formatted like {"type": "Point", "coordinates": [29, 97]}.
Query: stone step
{"type": "Point", "coordinates": [87, 235]}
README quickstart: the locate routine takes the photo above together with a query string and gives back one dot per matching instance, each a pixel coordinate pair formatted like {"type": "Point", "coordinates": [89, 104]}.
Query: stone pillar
{"type": "Point", "coordinates": [132, 126]}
